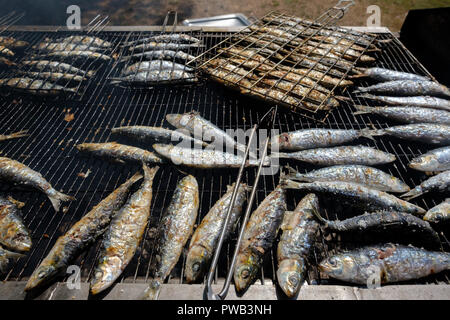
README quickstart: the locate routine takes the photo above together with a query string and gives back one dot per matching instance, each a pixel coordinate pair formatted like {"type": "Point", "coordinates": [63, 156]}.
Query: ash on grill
{"type": "Point", "coordinates": [296, 63]}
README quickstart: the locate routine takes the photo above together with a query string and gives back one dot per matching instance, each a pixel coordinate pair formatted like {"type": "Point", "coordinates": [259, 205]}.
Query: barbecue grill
{"type": "Point", "coordinates": [50, 150]}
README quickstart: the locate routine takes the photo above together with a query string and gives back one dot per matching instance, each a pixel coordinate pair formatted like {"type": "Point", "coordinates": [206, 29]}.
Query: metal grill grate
{"type": "Point", "coordinates": [50, 150]}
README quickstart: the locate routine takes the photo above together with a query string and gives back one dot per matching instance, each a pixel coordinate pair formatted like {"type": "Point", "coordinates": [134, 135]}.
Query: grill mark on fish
{"type": "Point", "coordinates": [155, 76]}
{"type": "Point", "coordinates": [160, 54]}
{"type": "Point", "coordinates": [56, 66]}
{"type": "Point", "coordinates": [297, 75]}
{"type": "Point", "coordinates": [85, 40]}
{"type": "Point", "coordinates": [174, 37]}
{"type": "Point", "coordinates": [12, 43]}
{"type": "Point", "coordinates": [165, 46]}
{"type": "Point", "coordinates": [35, 86]}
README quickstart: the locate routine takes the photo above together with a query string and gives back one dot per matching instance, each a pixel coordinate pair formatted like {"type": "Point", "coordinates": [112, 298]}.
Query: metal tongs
{"type": "Point", "coordinates": [208, 292]}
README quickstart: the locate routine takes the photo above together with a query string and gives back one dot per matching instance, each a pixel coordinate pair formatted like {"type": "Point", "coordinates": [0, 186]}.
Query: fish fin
{"type": "Point", "coordinates": [414, 193]}
{"type": "Point", "coordinates": [19, 134]}
{"type": "Point", "coordinates": [59, 197]}
{"type": "Point", "coordinates": [153, 290]}
{"type": "Point", "coordinates": [362, 109]}
{"type": "Point", "coordinates": [369, 133]}
{"type": "Point", "coordinates": [316, 212]}
{"type": "Point", "coordinates": [11, 256]}
{"type": "Point", "coordinates": [367, 96]}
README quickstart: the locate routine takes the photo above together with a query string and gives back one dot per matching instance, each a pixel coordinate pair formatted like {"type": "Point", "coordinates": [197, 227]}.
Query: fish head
{"type": "Point", "coordinates": [41, 275]}
{"type": "Point", "coordinates": [423, 163]}
{"type": "Point", "coordinates": [280, 141]}
{"type": "Point", "coordinates": [175, 120]}
{"type": "Point", "coordinates": [21, 241]}
{"type": "Point", "coordinates": [290, 275]}
{"type": "Point", "coordinates": [196, 263]}
{"type": "Point", "coordinates": [247, 267]}
{"type": "Point", "coordinates": [341, 267]}
{"type": "Point", "coordinates": [106, 273]}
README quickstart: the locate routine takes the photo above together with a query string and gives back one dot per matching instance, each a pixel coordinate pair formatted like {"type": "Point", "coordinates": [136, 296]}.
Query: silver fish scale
{"type": "Point", "coordinates": [408, 114]}
{"type": "Point", "coordinates": [408, 88]}
{"type": "Point", "coordinates": [425, 101]}
{"type": "Point", "coordinates": [424, 132]}
{"type": "Point", "coordinates": [381, 74]}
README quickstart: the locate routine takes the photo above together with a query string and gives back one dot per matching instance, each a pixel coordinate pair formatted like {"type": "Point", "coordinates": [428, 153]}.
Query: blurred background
{"type": "Point", "coordinates": [152, 12]}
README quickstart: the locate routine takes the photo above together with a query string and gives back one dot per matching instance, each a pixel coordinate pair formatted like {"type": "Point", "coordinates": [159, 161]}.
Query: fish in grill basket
{"type": "Point", "coordinates": [174, 37]}
{"type": "Point", "coordinates": [440, 182]}
{"type": "Point", "coordinates": [19, 173]}
{"type": "Point", "coordinates": [120, 153]}
{"type": "Point", "coordinates": [205, 238]}
{"type": "Point", "coordinates": [175, 228]}
{"type": "Point", "coordinates": [418, 101]}
{"type": "Point", "coordinates": [5, 51]}
{"type": "Point", "coordinates": [124, 235]}
{"type": "Point", "coordinates": [382, 75]}
{"type": "Point", "coordinates": [429, 133]}
{"type": "Point", "coordinates": [57, 66]}
{"type": "Point", "coordinates": [407, 88]}
{"type": "Point", "coordinates": [35, 86]}
{"type": "Point", "coordinates": [387, 263]}
{"type": "Point", "coordinates": [13, 233]}
{"type": "Point", "coordinates": [367, 176]}
{"type": "Point", "coordinates": [77, 53]}
{"type": "Point", "coordinates": [81, 235]}
{"type": "Point", "coordinates": [164, 46]}
{"type": "Point", "coordinates": [15, 135]}
{"type": "Point", "coordinates": [298, 74]}
{"type": "Point", "coordinates": [299, 231]}
{"type": "Point", "coordinates": [339, 156]}
{"type": "Point", "coordinates": [357, 195]}
{"type": "Point", "coordinates": [155, 76]}
{"type": "Point", "coordinates": [160, 55]}
{"type": "Point", "coordinates": [434, 160]}
{"type": "Point", "coordinates": [407, 114]}
{"type": "Point", "coordinates": [259, 235]}
{"type": "Point", "coordinates": [7, 257]}
{"type": "Point", "coordinates": [439, 213]}
{"type": "Point", "coordinates": [154, 65]}
{"type": "Point", "coordinates": [12, 43]}
{"type": "Point", "coordinates": [6, 62]}
{"type": "Point", "coordinates": [85, 40]}
{"type": "Point", "coordinates": [64, 46]}
{"type": "Point", "coordinates": [56, 76]}
{"type": "Point", "coordinates": [317, 138]}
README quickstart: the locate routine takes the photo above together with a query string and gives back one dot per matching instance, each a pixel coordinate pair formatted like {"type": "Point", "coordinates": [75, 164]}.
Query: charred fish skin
{"type": "Point", "coordinates": [316, 138]}
{"type": "Point", "coordinates": [434, 160]}
{"type": "Point", "coordinates": [176, 226]}
{"type": "Point", "coordinates": [394, 263]}
{"type": "Point", "coordinates": [358, 196]}
{"type": "Point", "coordinates": [423, 132]}
{"type": "Point", "coordinates": [297, 239]}
{"type": "Point", "coordinates": [81, 235]}
{"type": "Point", "coordinates": [407, 88]}
{"type": "Point", "coordinates": [124, 235]}
{"type": "Point", "coordinates": [383, 75]}
{"type": "Point", "coordinates": [205, 238]}
{"type": "Point", "coordinates": [424, 101]}
{"type": "Point", "coordinates": [17, 172]}
{"type": "Point", "coordinates": [439, 213]}
{"type": "Point", "coordinates": [381, 220]}
{"type": "Point", "coordinates": [158, 134]}
{"type": "Point", "coordinates": [6, 257]}
{"type": "Point", "coordinates": [259, 235]}
{"type": "Point", "coordinates": [345, 155]}
{"type": "Point", "coordinates": [120, 153]}
{"type": "Point", "coordinates": [364, 175]}
{"type": "Point", "coordinates": [440, 182]}
{"type": "Point", "coordinates": [407, 114]}
{"type": "Point", "coordinates": [13, 233]}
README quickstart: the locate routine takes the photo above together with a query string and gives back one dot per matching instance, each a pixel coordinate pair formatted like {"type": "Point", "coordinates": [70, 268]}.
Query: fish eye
{"type": "Point", "coordinates": [332, 262]}
{"type": "Point", "coordinates": [245, 274]}
{"type": "Point", "coordinates": [196, 267]}
{"type": "Point", "coordinates": [293, 279]}
{"type": "Point", "coordinates": [42, 274]}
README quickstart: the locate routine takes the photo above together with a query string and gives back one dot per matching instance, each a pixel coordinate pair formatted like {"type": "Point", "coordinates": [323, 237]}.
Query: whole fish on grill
{"type": "Point", "coordinates": [440, 182]}
{"type": "Point", "coordinates": [120, 153]}
{"type": "Point", "coordinates": [13, 233]}
{"type": "Point", "coordinates": [259, 235]}
{"type": "Point", "coordinates": [315, 63]}
{"type": "Point", "coordinates": [439, 213]}
{"type": "Point", "coordinates": [77, 53]}
{"type": "Point", "coordinates": [407, 114]}
{"type": "Point", "coordinates": [57, 67]}
{"type": "Point", "coordinates": [196, 124]}
{"type": "Point", "coordinates": [155, 76]}
{"type": "Point", "coordinates": [15, 135]}
{"type": "Point", "coordinates": [5, 51]}
{"type": "Point", "coordinates": [434, 160]}
{"type": "Point", "coordinates": [391, 263]}
{"type": "Point", "coordinates": [164, 46]}
{"type": "Point", "coordinates": [124, 235]}
{"type": "Point", "coordinates": [229, 67]}
{"type": "Point", "coordinates": [174, 37]}
{"type": "Point", "coordinates": [338, 51]}
{"type": "Point", "coordinates": [251, 64]}
{"type": "Point", "coordinates": [424, 102]}
{"type": "Point", "coordinates": [19, 173]}
{"type": "Point", "coordinates": [382, 220]}
{"type": "Point", "coordinates": [35, 86]}
{"type": "Point", "coordinates": [64, 46]}
{"type": "Point", "coordinates": [302, 91]}
{"type": "Point", "coordinates": [85, 40]}
{"type": "Point", "coordinates": [13, 43]}
{"type": "Point", "coordinates": [174, 230]}
{"type": "Point", "coordinates": [275, 32]}
{"type": "Point", "coordinates": [160, 55]}
{"type": "Point", "coordinates": [81, 235]}
{"type": "Point", "coordinates": [7, 257]}
{"type": "Point", "coordinates": [357, 196]}
{"type": "Point", "coordinates": [367, 176]}
{"type": "Point", "coordinates": [298, 74]}
{"type": "Point", "coordinates": [382, 75]}
{"type": "Point", "coordinates": [158, 134]}
{"type": "Point", "coordinates": [205, 238]}
{"type": "Point", "coordinates": [316, 138]}
{"type": "Point", "coordinates": [423, 132]}
{"type": "Point", "coordinates": [297, 240]}
{"type": "Point", "coordinates": [304, 81]}
{"type": "Point", "coordinates": [56, 76]}
{"type": "Point", "coordinates": [250, 54]}
{"type": "Point", "coordinates": [227, 78]}
{"type": "Point", "coordinates": [198, 158]}
{"type": "Point", "coordinates": [407, 88]}
{"type": "Point", "coordinates": [153, 66]}
{"type": "Point", "coordinates": [339, 156]}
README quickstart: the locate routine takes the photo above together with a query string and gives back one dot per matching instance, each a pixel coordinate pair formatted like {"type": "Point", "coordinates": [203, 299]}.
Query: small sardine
{"type": "Point", "coordinates": [64, 46]}
{"type": "Point", "coordinates": [155, 76]}
{"type": "Point", "coordinates": [56, 76]}
{"type": "Point", "coordinates": [434, 160]}
{"type": "Point", "coordinates": [13, 233]}
{"type": "Point", "coordinates": [174, 37]}
{"type": "Point", "coordinates": [296, 75]}
{"type": "Point", "coordinates": [440, 182]}
{"type": "Point", "coordinates": [13, 43]}
{"type": "Point", "coordinates": [5, 51]}
{"type": "Point", "coordinates": [407, 114]}
{"type": "Point", "coordinates": [423, 132]}
{"type": "Point", "coordinates": [439, 213]}
{"type": "Point", "coordinates": [78, 53]}
{"type": "Point", "coordinates": [164, 46]}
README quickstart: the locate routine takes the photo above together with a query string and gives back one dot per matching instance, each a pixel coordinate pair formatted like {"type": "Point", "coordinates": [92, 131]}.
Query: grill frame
{"type": "Point", "coordinates": [179, 100]}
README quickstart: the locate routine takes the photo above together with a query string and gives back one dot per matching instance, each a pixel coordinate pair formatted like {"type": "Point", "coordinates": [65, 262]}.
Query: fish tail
{"type": "Point", "coordinates": [149, 172]}
{"type": "Point", "coordinates": [289, 184]}
{"type": "Point", "coordinates": [362, 109]}
{"type": "Point", "coordinates": [369, 133]}
{"type": "Point", "coordinates": [316, 212]}
{"type": "Point", "coordinates": [414, 193]}
{"type": "Point", "coordinates": [360, 90]}
{"type": "Point", "coordinates": [56, 198]}
{"type": "Point", "coordinates": [19, 134]}
{"type": "Point", "coordinates": [153, 290]}
{"type": "Point", "coordinates": [295, 175]}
